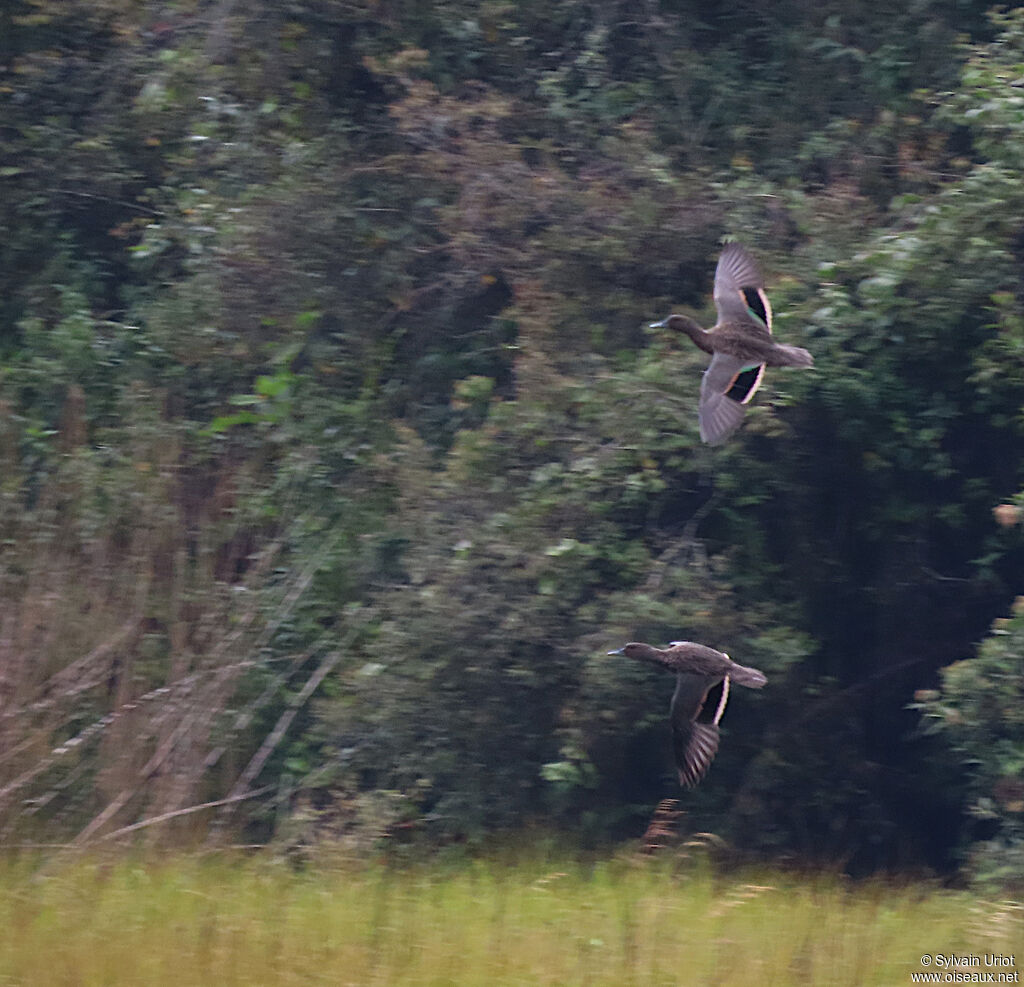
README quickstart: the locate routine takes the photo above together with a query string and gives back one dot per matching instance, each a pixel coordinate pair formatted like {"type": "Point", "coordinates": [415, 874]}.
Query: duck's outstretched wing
{"type": "Point", "coordinates": [739, 288]}
{"type": "Point", "coordinates": [728, 384]}
{"type": "Point", "coordinates": [694, 742]}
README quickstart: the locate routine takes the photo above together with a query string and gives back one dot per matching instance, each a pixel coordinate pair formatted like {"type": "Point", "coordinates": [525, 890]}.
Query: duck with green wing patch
{"type": "Point", "coordinates": [699, 670]}
{"type": "Point", "coordinates": [740, 344]}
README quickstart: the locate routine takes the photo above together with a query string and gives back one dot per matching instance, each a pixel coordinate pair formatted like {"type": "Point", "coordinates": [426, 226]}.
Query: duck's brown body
{"type": "Point", "coordinates": [740, 344]}
{"type": "Point", "coordinates": [696, 659]}
{"type": "Point", "coordinates": [698, 670]}
{"type": "Point", "coordinates": [744, 341]}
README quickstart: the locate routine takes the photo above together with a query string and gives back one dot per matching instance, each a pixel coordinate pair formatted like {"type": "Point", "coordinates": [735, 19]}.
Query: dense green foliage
{"type": "Point", "coordinates": [334, 455]}
{"type": "Point", "coordinates": [979, 709]}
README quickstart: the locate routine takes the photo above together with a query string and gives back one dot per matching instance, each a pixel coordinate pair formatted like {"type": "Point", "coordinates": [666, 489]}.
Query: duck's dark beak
{"type": "Point", "coordinates": [617, 652]}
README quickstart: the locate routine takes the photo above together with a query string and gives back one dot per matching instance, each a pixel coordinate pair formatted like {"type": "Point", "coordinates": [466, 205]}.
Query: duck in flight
{"type": "Point", "coordinates": [740, 344]}
{"type": "Point", "coordinates": [698, 670]}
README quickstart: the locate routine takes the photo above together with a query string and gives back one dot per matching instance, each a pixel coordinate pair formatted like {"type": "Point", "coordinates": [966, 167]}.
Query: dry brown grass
{"type": "Point", "coordinates": [130, 614]}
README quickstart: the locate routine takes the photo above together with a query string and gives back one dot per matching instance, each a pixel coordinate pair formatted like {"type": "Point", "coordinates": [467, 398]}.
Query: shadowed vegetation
{"type": "Point", "coordinates": [335, 453]}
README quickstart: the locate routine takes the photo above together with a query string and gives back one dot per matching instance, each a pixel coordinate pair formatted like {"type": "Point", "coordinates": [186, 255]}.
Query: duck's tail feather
{"type": "Point", "coordinates": [793, 356]}
{"type": "Point", "coordinates": [750, 677]}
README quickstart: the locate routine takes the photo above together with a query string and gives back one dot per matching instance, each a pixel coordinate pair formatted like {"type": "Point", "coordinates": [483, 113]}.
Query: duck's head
{"type": "Point", "coordinates": [677, 323]}
{"type": "Point", "coordinates": [633, 650]}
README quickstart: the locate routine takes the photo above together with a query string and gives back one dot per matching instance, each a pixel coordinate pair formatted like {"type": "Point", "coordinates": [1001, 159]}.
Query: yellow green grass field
{"type": "Point", "coordinates": [229, 920]}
